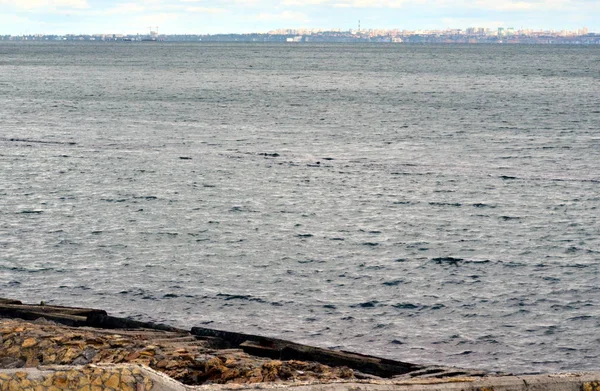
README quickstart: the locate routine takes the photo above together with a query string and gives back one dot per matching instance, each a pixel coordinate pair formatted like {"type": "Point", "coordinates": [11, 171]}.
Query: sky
{"type": "Point", "coordinates": [242, 16]}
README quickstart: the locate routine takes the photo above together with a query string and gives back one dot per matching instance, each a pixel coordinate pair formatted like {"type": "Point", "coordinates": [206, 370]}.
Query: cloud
{"type": "Point", "coordinates": [285, 15]}
{"type": "Point", "coordinates": [373, 4]}
{"type": "Point", "coordinates": [125, 8]}
{"type": "Point", "coordinates": [35, 5]}
{"type": "Point", "coordinates": [205, 10]}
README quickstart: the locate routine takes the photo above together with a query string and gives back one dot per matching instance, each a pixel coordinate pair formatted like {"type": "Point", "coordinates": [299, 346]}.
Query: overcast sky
{"type": "Point", "coordinates": [220, 16]}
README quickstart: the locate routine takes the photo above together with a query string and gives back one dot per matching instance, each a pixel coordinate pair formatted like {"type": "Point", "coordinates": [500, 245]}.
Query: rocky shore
{"type": "Point", "coordinates": [52, 348]}
{"type": "Point", "coordinates": [178, 355]}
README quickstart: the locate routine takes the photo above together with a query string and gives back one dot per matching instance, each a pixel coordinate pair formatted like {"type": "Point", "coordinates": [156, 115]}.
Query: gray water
{"type": "Point", "coordinates": [431, 204]}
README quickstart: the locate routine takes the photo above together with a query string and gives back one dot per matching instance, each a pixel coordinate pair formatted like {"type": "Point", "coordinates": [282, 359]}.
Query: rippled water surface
{"type": "Point", "coordinates": [432, 204]}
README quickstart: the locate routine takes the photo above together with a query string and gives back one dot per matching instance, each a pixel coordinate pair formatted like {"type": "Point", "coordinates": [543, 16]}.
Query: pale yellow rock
{"type": "Point", "coordinates": [73, 375]}
{"type": "Point", "coordinates": [21, 374]}
{"type": "Point", "coordinates": [148, 384]}
{"type": "Point", "coordinates": [39, 387]}
{"type": "Point", "coordinates": [97, 381]}
{"type": "Point", "coordinates": [97, 388]}
{"type": "Point", "coordinates": [25, 384]}
{"type": "Point", "coordinates": [70, 355]}
{"type": "Point", "coordinates": [29, 342]}
{"type": "Point", "coordinates": [126, 387]}
{"type": "Point", "coordinates": [48, 381]}
{"type": "Point", "coordinates": [54, 388]}
{"type": "Point", "coordinates": [136, 371]}
{"type": "Point", "coordinates": [113, 381]}
{"type": "Point", "coordinates": [84, 388]}
{"type": "Point", "coordinates": [125, 372]}
{"type": "Point", "coordinates": [4, 376]}
{"type": "Point", "coordinates": [84, 380]}
{"type": "Point", "coordinates": [13, 385]}
{"type": "Point", "coordinates": [127, 379]}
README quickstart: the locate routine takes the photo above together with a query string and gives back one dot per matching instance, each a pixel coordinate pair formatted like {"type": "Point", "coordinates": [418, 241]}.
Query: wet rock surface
{"type": "Point", "coordinates": [178, 354]}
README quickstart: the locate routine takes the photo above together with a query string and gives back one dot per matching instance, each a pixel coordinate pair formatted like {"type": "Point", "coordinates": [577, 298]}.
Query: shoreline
{"type": "Point", "coordinates": [51, 348]}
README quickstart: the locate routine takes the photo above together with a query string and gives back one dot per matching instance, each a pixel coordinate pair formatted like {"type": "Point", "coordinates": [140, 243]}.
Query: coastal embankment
{"type": "Point", "coordinates": [52, 348]}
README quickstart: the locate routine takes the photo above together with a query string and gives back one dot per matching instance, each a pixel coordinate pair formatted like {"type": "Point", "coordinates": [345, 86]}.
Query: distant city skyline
{"type": "Point", "coordinates": [23, 17]}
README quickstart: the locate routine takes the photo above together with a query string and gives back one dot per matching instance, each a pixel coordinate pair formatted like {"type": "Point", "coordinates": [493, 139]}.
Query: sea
{"type": "Point", "coordinates": [435, 204]}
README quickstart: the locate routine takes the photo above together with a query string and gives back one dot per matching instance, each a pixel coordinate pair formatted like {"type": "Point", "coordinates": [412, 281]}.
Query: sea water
{"type": "Point", "coordinates": [431, 204]}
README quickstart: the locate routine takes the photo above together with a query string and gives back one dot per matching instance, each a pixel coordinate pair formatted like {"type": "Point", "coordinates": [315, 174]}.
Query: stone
{"type": "Point", "coordinates": [60, 381]}
{"type": "Point", "coordinates": [132, 356]}
{"type": "Point", "coordinates": [126, 387]}
{"type": "Point", "coordinates": [29, 342]}
{"type": "Point", "coordinates": [113, 381]}
{"type": "Point", "coordinates": [148, 384]}
{"type": "Point", "coordinates": [11, 362]}
{"type": "Point", "coordinates": [84, 381]}
{"type": "Point", "coordinates": [13, 385]}
{"type": "Point", "coordinates": [97, 381]}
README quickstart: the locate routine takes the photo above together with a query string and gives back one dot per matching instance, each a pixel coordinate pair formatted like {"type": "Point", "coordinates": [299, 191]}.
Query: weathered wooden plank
{"type": "Point", "coordinates": [65, 319]}
{"type": "Point", "coordinates": [102, 320]}
{"type": "Point", "coordinates": [49, 309]}
{"type": "Point", "coordinates": [286, 350]}
{"type": "Point", "coordinates": [9, 301]}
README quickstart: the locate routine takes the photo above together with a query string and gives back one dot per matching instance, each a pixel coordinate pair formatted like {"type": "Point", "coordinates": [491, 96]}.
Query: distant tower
{"type": "Point", "coordinates": [359, 25]}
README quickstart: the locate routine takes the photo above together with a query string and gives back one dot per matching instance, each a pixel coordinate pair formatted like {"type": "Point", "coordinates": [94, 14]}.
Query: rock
{"type": "Point", "coordinates": [29, 342]}
{"type": "Point", "coordinates": [11, 362]}
{"type": "Point", "coordinates": [113, 381]}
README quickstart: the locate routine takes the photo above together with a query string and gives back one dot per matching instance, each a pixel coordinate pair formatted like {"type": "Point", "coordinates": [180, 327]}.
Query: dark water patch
{"type": "Point", "coordinates": [489, 339]}
{"type": "Point", "coordinates": [367, 304]}
{"type": "Point", "coordinates": [406, 306]}
{"type": "Point", "coordinates": [393, 282]}
{"type": "Point", "coordinates": [147, 198]}
{"type": "Point", "coordinates": [372, 267]}
{"type": "Point", "coordinates": [509, 218]}
{"type": "Point", "coordinates": [482, 205]}
{"type": "Point", "coordinates": [31, 212]}
{"type": "Point", "coordinates": [329, 306]}
{"type": "Point", "coordinates": [581, 317]}
{"type": "Point", "coordinates": [228, 297]}
{"type": "Point", "coordinates": [170, 296]}
{"type": "Point", "coordinates": [455, 204]}
{"type": "Point", "coordinates": [370, 244]}
{"type": "Point", "coordinates": [25, 140]}
{"type": "Point", "coordinates": [113, 199]}
{"type": "Point", "coordinates": [304, 235]}
{"type": "Point", "coordinates": [267, 154]}
{"type": "Point", "coordinates": [576, 265]}
{"type": "Point", "coordinates": [337, 239]}
{"type": "Point", "coordinates": [447, 261]}
{"type": "Point", "coordinates": [305, 261]}
{"type": "Point", "coordinates": [396, 342]}
{"type": "Point", "coordinates": [507, 177]}
{"type": "Point", "coordinates": [185, 158]}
